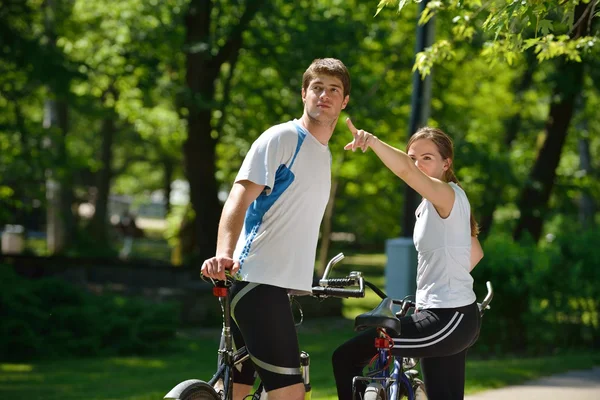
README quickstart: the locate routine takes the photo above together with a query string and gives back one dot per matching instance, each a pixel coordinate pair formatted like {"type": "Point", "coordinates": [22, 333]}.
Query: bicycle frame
{"type": "Point", "coordinates": [396, 377]}
{"type": "Point", "coordinates": [336, 287]}
{"type": "Point", "coordinates": [391, 380]}
{"type": "Point", "coordinates": [227, 358]}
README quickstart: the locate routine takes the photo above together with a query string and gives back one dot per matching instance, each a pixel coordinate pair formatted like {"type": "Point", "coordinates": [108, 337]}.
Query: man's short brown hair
{"type": "Point", "coordinates": [327, 66]}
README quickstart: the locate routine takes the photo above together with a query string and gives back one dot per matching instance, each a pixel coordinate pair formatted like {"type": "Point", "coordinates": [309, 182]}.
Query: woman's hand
{"type": "Point", "coordinates": [362, 139]}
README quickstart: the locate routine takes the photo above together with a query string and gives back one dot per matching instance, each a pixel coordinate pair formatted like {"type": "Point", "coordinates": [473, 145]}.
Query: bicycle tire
{"type": "Point", "coordinates": [200, 391]}
{"type": "Point", "coordinates": [374, 391]}
{"type": "Point", "coordinates": [419, 390]}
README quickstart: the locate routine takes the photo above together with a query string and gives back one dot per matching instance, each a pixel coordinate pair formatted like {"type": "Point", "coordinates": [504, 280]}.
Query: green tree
{"type": "Point", "coordinates": [127, 47]}
{"type": "Point", "coordinates": [551, 29]}
{"type": "Point", "coordinates": [214, 35]}
{"type": "Point", "coordinates": [34, 71]}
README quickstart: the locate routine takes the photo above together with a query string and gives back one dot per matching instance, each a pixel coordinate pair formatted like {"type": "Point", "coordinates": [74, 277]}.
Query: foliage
{"type": "Point", "coordinates": [546, 296]}
{"type": "Point", "coordinates": [137, 47]}
{"type": "Point", "coordinates": [49, 318]}
{"type": "Point", "coordinates": [508, 28]}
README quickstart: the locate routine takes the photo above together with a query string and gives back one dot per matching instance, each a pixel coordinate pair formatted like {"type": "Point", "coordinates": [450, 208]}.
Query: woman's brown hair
{"type": "Point", "coordinates": [445, 146]}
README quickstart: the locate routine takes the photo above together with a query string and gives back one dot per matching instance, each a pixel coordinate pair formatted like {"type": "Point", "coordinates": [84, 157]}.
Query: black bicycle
{"type": "Point", "coordinates": [220, 386]}
{"type": "Point", "coordinates": [390, 378]}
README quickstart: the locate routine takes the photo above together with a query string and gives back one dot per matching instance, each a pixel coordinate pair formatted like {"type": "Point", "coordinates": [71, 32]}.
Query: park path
{"type": "Point", "coordinates": [574, 385]}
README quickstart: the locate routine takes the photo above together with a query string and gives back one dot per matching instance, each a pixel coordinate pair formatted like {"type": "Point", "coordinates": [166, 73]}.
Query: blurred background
{"type": "Point", "coordinates": [123, 124]}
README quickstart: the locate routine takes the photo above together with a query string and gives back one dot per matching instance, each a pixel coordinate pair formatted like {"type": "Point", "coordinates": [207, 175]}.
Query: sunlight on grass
{"type": "Point", "coordinates": [149, 378]}
{"type": "Point", "coordinates": [492, 374]}
{"type": "Point", "coordinates": [16, 367]}
{"type": "Point", "coordinates": [371, 266]}
{"type": "Point", "coordinates": [378, 259]}
{"type": "Point", "coordinates": [354, 307]}
{"type": "Point", "coordinates": [139, 362]}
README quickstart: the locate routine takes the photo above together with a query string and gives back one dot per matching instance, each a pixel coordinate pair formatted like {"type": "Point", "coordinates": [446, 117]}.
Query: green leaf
{"type": "Point", "coordinates": [401, 5]}
{"type": "Point", "coordinates": [381, 5]}
{"type": "Point", "coordinates": [530, 43]}
{"type": "Point", "coordinates": [545, 26]}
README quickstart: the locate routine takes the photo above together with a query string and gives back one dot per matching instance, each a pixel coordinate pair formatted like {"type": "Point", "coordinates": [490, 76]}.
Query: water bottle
{"type": "Point", "coordinates": [305, 365]}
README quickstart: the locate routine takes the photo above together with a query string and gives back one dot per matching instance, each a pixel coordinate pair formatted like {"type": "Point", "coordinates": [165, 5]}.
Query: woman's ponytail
{"type": "Point", "coordinates": [450, 177]}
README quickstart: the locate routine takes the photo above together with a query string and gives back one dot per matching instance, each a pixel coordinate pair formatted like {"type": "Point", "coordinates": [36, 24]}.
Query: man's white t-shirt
{"type": "Point", "coordinates": [278, 243]}
{"type": "Point", "coordinates": [444, 254]}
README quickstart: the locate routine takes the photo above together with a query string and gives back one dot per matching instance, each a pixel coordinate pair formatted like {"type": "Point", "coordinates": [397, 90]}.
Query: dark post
{"type": "Point", "coordinates": [401, 264]}
{"type": "Point", "coordinates": [418, 116]}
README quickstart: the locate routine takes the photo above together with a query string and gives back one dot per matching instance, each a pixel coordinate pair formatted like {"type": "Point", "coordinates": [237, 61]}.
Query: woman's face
{"type": "Point", "coordinates": [428, 159]}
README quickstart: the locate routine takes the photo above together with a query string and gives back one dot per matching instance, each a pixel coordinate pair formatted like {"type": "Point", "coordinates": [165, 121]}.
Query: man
{"type": "Point", "coordinates": [269, 229]}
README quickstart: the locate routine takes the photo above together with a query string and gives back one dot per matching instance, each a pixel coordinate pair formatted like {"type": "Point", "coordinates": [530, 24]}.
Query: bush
{"type": "Point", "coordinates": [547, 297]}
{"type": "Point", "coordinates": [51, 318]}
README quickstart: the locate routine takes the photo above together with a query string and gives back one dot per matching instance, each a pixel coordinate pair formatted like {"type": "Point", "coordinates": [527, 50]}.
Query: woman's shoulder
{"type": "Point", "coordinates": [461, 199]}
{"type": "Point", "coordinates": [459, 191]}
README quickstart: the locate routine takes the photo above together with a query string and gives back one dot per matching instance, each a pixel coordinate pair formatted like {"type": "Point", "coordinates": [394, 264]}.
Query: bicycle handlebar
{"type": "Point", "coordinates": [337, 292]}
{"type": "Point", "coordinates": [336, 287]}
{"type": "Point", "coordinates": [485, 304]}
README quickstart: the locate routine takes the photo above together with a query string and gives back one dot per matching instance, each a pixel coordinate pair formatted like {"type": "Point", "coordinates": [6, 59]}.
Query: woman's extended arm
{"type": "Point", "coordinates": [439, 193]}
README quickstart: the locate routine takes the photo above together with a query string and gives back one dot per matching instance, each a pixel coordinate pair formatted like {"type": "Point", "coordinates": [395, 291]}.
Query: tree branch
{"type": "Point", "coordinates": [588, 9]}
{"type": "Point", "coordinates": [227, 90]}
{"type": "Point", "coordinates": [234, 41]}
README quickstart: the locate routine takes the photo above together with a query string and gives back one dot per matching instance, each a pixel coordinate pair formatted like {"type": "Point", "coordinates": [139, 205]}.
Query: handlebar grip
{"type": "Point", "coordinates": [341, 282]}
{"type": "Point", "coordinates": [337, 292]}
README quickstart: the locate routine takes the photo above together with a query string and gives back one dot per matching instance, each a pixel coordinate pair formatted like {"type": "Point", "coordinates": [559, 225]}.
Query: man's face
{"type": "Point", "coordinates": [324, 98]}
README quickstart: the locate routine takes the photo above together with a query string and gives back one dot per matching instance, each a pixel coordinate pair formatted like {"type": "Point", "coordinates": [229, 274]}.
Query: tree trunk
{"type": "Point", "coordinates": [419, 115]}
{"type": "Point", "coordinates": [99, 223]}
{"type": "Point", "coordinates": [511, 129]}
{"type": "Point", "coordinates": [538, 187]}
{"type": "Point", "coordinates": [199, 147]}
{"type": "Point", "coordinates": [167, 180]}
{"type": "Point", "coordinates": [59, 193]}
{"type": "Point", "coordinates": [203, 70]}
{"type": "Point", "coordinates": [587, 206]}
{"type": "Point", "coordinates": [326, 228]}
{"type": "Point", "coordinates": [534, 197]}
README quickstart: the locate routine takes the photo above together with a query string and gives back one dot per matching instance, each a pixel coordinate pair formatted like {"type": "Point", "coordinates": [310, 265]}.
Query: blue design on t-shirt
{"type": "Point", "coordinates": [284, 178]}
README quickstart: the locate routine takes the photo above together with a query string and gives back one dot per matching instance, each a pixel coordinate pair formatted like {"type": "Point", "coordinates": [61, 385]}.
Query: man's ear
{"type": "Point", "coordinates": [345, 102]}
{"type": "Point", "coordinates": [303, 95]}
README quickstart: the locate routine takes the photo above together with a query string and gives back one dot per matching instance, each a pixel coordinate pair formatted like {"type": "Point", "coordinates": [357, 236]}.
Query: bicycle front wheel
{"type": "Point", "coordinates": [375, 391]}
{"type": "Point", "coordinates": [200, 391]}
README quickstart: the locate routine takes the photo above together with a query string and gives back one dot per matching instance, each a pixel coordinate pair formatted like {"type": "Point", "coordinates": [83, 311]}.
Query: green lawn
{"type": "Point", "coordinates": [149, 378]}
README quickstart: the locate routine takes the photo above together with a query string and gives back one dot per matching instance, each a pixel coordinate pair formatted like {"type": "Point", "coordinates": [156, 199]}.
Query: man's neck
{"type": "Point", "coordinates": [321, 131]}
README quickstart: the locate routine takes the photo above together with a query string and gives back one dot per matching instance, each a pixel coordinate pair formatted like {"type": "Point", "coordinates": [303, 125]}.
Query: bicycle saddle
{"type": "Point", "coordinates": [381, 316]}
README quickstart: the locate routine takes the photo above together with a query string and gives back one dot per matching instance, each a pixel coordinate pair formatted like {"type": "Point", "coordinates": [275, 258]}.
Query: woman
{"type": "Point", "coordinates": [446, 322]}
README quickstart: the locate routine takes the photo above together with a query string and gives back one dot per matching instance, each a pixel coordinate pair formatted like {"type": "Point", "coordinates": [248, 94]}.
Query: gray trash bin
{"type": "Point", "coordinates": [400, 268]}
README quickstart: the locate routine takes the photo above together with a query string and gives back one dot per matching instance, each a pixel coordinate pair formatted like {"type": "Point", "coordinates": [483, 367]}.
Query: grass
{"type": "Point", "coordinates": [149, 378]}
{"type": "Point", "coordinates": [493, 374]}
